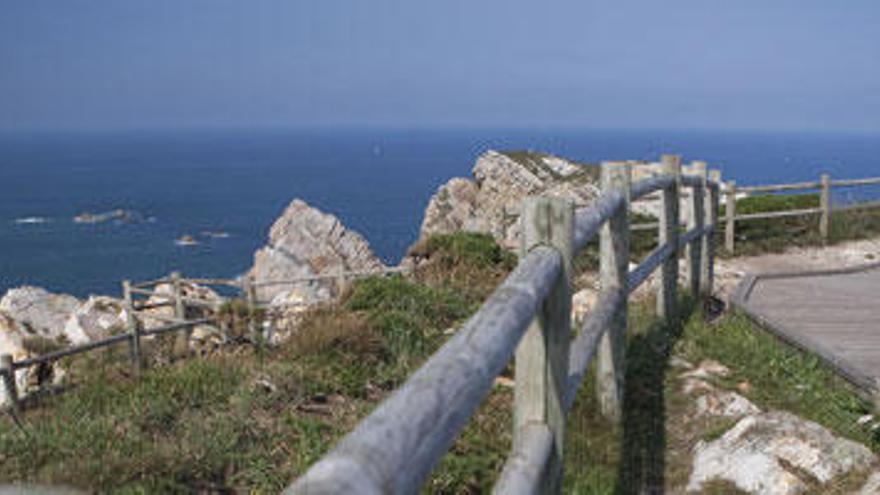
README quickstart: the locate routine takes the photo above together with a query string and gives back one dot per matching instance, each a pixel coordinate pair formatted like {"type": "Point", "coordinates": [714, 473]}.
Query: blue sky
{"type": "Point", "coordinates": [745, 64]}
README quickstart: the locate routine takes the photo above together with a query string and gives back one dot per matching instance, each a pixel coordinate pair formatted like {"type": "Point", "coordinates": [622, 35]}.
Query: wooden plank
{"type": "Point", "coordinates": [794, 186]}
{"type": "Point", "coordinates": [855, 182]}
{"type": "Point", "coordinates": [832, 313]}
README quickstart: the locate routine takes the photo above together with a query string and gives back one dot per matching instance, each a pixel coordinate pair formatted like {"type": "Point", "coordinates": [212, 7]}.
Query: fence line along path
{"type": "Point", "coordinates": [833, 313]}
{"type": "Point", "coordinates": [395, 448]}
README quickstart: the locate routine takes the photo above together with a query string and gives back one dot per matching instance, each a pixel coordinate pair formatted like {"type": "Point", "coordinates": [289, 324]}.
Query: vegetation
{"type": "Point", "coordinates": [534, 162]}
{"type": "Point", "coordinates": [252, 421]}
{"type": "Point", "coordinates": [652, 448]}
{"type": "Point", "coordinates": [777, 234]}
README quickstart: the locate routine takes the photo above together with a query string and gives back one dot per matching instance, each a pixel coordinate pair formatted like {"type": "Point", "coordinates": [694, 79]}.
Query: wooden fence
{"type": "Point", "coordinates": [824, 185]}
{"type": "Point", "coordinates": [395, 448]}
{"type": "Point", "coordinates": [134, 332]}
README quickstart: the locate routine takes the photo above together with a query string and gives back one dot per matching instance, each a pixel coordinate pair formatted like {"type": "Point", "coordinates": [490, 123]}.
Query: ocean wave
{"type": "Point", "coordinates": [30, 220]}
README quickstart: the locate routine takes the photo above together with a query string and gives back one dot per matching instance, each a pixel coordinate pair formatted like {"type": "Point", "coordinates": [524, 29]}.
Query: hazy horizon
{"type": "Point", "coordinates": [790, 66]}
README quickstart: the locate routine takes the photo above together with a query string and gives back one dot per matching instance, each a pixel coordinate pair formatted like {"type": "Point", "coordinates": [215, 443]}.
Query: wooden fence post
{"type": "Point", "coordinates": [182, 340]}
{"type": "Point", "coordinates": [825, 204]}
{"type": "Point", "coordinates": [696, 220]}
{"type": "Point", "coordinates": [614, 244]}
{"type": "Point", "coordinates": [250, 297]}
{"type": "Point", "coordinates": [712, 199]}
{"type": "Point", "coordinates": [8, 371]}
{"type": "Point", "coordinates": [669, 224]}
{"type": "Point", "coordinates": [132, 327]}
{"type": "Point", "coordinates": [542, 355]}
{"type": "Point", "coordinates": [730, 207]}
{"type": "Point", "coordinates": [179, 309]}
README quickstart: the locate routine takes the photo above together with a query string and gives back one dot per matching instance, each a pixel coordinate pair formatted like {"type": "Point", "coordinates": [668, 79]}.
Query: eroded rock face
{"type": "Point", "coordinates": [39, 311]}
{"type": "Point", "coordinates": [304, 242]}
{"type": "Point", "coordinates": [500, 182]}
{"type": "Point", "coordinates": [98, 317]}
{"type": "Point", "coordinates": [12, 335]}
{"type": "Point", "coordinates": [757, 453]}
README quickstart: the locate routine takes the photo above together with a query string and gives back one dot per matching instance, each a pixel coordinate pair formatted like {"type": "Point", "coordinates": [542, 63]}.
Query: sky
{"type": "Point", "coordinates": [708, 64]}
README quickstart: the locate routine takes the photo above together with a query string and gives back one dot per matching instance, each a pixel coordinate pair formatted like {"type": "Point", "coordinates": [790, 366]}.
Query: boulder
{"type": "Point", "coordinates": [12, 342]}
{"type": "Point", "coordinates": [98, 317]}
{"type": "Point", "coordinates": [490, 201]}
{"type": "Point", "coordinates": [39, 311]}
{"type": "Point", "coordinates": [724, 403]}
{"type": "Point", "coordinates": [163, 296]}
{"type": "Point", "coordinates": [758, 454]}
{"type": "Point", "coordinates": [582, 303]}
{"type": "Point", "coordinates": [305, 242]}
{"type": "Point", "coordinates": [872, 484]}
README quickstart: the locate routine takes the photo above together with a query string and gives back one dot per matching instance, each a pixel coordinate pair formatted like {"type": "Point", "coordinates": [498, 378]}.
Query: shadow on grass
{"type": "Point", "coordinates": [642, 462]}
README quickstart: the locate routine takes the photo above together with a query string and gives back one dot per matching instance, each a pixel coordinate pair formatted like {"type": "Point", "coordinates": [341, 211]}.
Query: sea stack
{"type": "Point", "coordinates": [305, 242]}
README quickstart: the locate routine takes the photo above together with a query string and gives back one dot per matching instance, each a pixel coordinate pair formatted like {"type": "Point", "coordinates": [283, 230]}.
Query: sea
{"type": "Point", "coordinates": [226, 187]}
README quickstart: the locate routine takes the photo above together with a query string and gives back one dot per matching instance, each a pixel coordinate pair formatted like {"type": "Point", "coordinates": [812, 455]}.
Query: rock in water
{"type": "Point", "coordinates": [490, 202]}
{"type": "Point", "coordinates": [757, 455]}
{"type": "Point", "coordinates": [39, 310]}
{"type": "Point", "coordinates": [304, 242]}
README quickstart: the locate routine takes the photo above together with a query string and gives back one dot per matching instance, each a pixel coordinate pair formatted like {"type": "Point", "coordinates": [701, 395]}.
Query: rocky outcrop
{"type": "Point", "coordinates": [490, 201]}
{"type": "Point", "coordinates": [12, 342]}
{"type": "Point", "coordinates": [95, 319]}
{"type": "Point", "coordinates": [776, 452]}
{"type": "Point", "coordinates": [41, 312]}
{"type": "Point", "coordinates": [305, 242]}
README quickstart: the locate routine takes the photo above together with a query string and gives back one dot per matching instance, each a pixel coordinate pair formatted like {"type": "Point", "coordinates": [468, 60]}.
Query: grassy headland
{"type": "Point", "coordinates": [250, 421]}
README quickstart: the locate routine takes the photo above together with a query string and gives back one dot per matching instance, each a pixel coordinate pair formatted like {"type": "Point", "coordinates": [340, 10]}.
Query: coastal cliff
{"type": "Point", "coordinates": [488, 202]}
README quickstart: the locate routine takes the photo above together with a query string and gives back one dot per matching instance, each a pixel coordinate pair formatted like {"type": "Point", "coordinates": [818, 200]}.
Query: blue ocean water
{"type": "Point", "coordinates": [377, 181]}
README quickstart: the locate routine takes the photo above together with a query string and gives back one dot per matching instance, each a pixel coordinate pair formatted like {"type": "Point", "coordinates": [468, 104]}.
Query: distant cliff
{"type": "Point", "coordinates": [501, 179]}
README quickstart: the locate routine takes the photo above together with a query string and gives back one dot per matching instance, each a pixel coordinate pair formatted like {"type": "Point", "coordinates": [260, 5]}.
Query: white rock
{"type": "Point", "coordinates": [287, 311]}
{"type": "Point", "coordinates": [724, 403]}
{"type": "Point", "coordinates": [97, 318]}
{"type": "Point", "coordinates": [42, 312]}
{"type": "Point", "coordinates": [681, 363]}
{"type": "Point", "coordinates": [491, 201]}
{"type": "Point", "coordinates": [304, 242]}
{"type": "Point", "coordinates": [693, 386]}
{"type": "Point", "coordinates": [752, 455]}
{"type": "Point", "coordinates": [12, 342]}
{"type": "Point", "coordinates": [872, 485]}
{"type": "Point", "coordinates": [582, 302]}
{"type": "Point", "coordinates": [707, 369]}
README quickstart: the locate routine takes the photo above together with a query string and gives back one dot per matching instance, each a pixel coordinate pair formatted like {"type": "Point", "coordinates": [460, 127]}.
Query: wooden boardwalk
{"type": "Point", "coordinates": [833, 313]}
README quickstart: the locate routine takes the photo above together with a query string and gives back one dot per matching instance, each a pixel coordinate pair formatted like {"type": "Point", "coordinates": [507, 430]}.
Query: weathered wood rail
{"type": "Point", "coordinates": [825, 209]}
{"type": "Point", "coordinates": [134, 331]}
{"type": "Point", "coordinates": [395, 448]}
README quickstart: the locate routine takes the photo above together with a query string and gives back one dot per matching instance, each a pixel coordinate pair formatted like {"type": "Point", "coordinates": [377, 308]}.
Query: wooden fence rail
{"type": "Point", "coordinates": [177, 323]}
{"type": "Point", "coordinates": [394, 449]}
{"type": "Point", "coordinates": [824, 185]}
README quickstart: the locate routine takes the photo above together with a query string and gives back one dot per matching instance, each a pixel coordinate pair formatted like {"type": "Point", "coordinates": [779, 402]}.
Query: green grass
{"type": "Point", "coordinates": [652, 447]}
{"type": "Point", "coordinates": [777, 234]}
{"type": "Point", "coordinates": [533, 161]}
{"type": "Point", "coordinates": [252, 421]}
